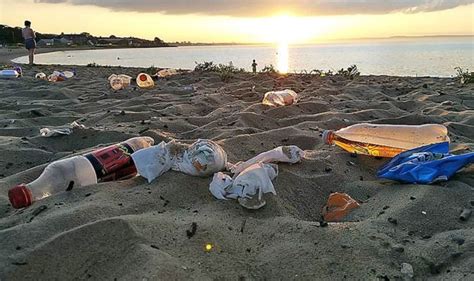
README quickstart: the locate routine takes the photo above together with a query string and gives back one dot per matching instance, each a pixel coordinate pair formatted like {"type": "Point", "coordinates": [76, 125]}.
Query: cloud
{"type": "Point", "coordinates": [249, 8]}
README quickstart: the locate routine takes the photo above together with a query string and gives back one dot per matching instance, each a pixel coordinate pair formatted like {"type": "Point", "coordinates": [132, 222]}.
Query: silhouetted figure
{"type": "Point", "coordinates": [30, 42]}
{"type": "Point", "coordinates": [254, 66]}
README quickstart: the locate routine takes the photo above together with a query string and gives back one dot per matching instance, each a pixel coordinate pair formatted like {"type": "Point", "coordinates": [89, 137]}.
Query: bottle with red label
{"type": "Point", "coordinates": [107, 164]}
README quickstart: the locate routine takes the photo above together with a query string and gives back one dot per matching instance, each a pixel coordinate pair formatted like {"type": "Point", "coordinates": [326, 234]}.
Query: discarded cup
{"type": "Point", "coordinates": [119, 82]}
{"type": "Point", "coordinates": [385, 140]}
{"type": "Point", "coordinates": [106, 164]}
{"type": "Point", "coordinates": [145, 81]}
{"type": "Point", "coordinates": [338, 206]}
{"type": "Point", "coordinates": [280, 98]}
{"type": "Point", "coordinates": [41, 76]}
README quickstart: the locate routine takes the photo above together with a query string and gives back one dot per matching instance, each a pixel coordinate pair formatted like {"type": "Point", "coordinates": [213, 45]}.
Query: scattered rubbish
{"type": "Point", "coordinates": [58, 76]}
{"type": "Point", "coordinates": [9, 73]}
{"type": "Point", "coordinates": [253, 178]}
{"type": "Point", "coordinates": [166, 72]}
{"type": "Point", "coordinates": [407, 271]}
{"type": "Point", "coordinates": [119, 82]}
{"type": "Point", "coordinates": [287, 154]}
{"type": "Point", "coordinates": [425, 165]}
{"type": "Point", "coordinates": [423, 212]}
{"type": "Point", "coordinates": [385, 140]}
{"type": "Point", "coordinates": [41, 76]}
{"type": "Point", "coordinates": [54, 132]}
{"type": "Point", "coordinates": [248, 187]}
{"type": "Point", "coordinates": [465, 214]}
{"type": "Point", "coordinates": [202, 158]}
{"type": "Point", "coordinates": [280, 98]}
{"type": "Point", "coordinates": [106, 164]}
{"type": "Point", "coordinates": [338, 206]}
{"type": "Point", "coordinates": [145, 81]}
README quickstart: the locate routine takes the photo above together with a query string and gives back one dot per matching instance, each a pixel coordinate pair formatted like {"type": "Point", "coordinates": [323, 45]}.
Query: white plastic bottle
{"type": "Point", "coordinates": [110, 163]}
{"type": "Point", "coordinates": [145, 81]}
{"type": "Point", "coordinates": [385, 140]}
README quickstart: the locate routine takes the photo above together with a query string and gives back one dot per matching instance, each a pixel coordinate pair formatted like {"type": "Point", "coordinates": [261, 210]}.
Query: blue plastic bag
{"type": "Point", "coordinates": [425, 165]}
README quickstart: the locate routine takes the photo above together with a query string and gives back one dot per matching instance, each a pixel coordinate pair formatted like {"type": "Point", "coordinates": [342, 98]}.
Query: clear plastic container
{"type": "Point", "coordinates": [385, 140]}
{"type": "Point", "coordinates": [110, 163]}
{"type": "Point", "coordinates": [9, 73]}
{"type": "Point", "coordinates": [280, 98]}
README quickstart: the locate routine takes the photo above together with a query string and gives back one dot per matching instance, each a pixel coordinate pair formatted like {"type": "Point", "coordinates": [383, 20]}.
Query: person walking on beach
{"type": "Point", "coordinates": [30, 42]}
{"type": "Point", "coordinates": [254, 66]}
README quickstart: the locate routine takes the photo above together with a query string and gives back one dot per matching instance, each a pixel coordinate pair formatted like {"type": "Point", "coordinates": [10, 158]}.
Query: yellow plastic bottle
{"type": "Point", "coordinates": [382, 140]}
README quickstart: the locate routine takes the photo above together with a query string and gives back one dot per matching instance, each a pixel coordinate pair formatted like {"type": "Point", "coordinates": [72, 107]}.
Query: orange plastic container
{"type": "Point", "coordinates": [339, 205]}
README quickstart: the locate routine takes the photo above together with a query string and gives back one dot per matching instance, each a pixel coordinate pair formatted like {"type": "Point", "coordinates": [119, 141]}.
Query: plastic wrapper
{"type": "Point", "coordinates": [280, 98]}
{"type": "Point", "coordinates": [202, 158]}
{"type": "Point", "coordinates": [287, 154]}
{"type": "Point", "coordinates": [62, 131]}
{"type": "Point", "coordinates": [248, 187]}
{"type": "Point", "coordinates": [425, 165]}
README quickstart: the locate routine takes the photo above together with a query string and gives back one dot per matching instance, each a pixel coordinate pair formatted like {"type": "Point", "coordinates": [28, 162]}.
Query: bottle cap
{"type": "Point", "coordinates": [328, 136]}
{"type": "Point", "coordinates": [20, 196]}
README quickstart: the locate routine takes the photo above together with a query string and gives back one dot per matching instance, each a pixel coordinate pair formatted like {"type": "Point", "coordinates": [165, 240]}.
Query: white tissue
{"type": "Point", "coordinates": [153, 161]}
{"type": "Point", "coordinates": [288, 154]}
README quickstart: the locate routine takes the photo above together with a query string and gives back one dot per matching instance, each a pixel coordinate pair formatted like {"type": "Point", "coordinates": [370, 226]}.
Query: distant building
{"type": "Point", "coordinates": [54, 42]}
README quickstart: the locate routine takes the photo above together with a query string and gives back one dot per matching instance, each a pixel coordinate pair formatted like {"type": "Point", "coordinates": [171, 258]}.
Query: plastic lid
{"type": "Point", "coordinates": [328, 136]}
{"type": "Point", "coordinates": [143, 77]}
{"type": "Point", "coordinates": [20, 196]}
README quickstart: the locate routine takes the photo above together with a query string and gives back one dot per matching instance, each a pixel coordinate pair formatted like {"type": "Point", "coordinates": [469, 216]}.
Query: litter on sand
{"type": "Point", "coordinates": [286, 154]}
{"type": "Point", "coordinates": [248, 187]}
{"type": "Point", "coordinates": [119, 82]}
{"type": "Point", "coordinates": [338, 206]}
{"type": "Point", "coordinates": [167, 72]}
{"type": "Point", "coordinates": [280, 98]}
{"type": "Point", "coordinates": [61, 131]}
{"type": "Point", "coordinates": [202, 158]}
{"type": "Point", "coordinates": [253, 178]}
{"type": "Point", "coordinates": [425, 165]}
{"type": "Point", "coordinates": [381, 140]}
{"type": "Point", "coordinates": [145, 81]}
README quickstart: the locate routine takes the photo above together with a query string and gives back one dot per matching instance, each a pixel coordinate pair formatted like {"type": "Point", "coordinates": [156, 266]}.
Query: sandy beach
{"type": "Point", "coordinates": [132, 230]}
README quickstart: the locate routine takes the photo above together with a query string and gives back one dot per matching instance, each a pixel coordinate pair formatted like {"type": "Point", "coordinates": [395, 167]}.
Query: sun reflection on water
{"type": "Point", "coordinates": [282, 58]}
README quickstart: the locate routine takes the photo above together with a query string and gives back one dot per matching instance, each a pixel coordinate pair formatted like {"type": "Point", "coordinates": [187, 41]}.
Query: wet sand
{"type": "Point", "coordinates": [131, 230]}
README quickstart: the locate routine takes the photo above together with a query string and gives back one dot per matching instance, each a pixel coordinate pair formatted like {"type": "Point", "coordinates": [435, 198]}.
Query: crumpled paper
{"type": "Point", "coordinates": [248, 187]}
{"type": "Point", "coordinates": [287, 154]}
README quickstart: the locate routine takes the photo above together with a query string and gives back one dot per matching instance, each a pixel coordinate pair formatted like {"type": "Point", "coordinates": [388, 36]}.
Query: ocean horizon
{"type": "Point", "coordinates": [430, 56]}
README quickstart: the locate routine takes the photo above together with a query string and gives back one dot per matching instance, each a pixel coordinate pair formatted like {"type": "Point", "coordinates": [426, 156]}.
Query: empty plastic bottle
{"type": "Point", "coordinates": [145, 81]}
{"type": "Point", "coordinates": [280, 98]}
{"type": "Point", "coordinates": [385, 140]}
{"type": "Point", "coordinates": [9, 73]}
{"type": "Point", "coordinates": [119, 82]}
{"type": "Point", "coordinates": [107, 164]}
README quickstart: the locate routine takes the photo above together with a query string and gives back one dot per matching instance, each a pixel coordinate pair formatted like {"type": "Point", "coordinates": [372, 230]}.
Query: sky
{"type": "Point", "coordinates": [245, 21]}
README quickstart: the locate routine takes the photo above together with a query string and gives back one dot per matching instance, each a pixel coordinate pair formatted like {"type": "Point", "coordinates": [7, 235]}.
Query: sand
{"type": "Point", "coordinates": [131, 230]}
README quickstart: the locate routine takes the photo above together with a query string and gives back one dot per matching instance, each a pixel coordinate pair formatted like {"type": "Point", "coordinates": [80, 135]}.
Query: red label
{"type": "Point", "coordinates": [113, 162]}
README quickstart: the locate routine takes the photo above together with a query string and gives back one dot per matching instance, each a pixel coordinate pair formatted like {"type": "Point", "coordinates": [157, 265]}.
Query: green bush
{"type": "Point", "coordinates": [464, 76]}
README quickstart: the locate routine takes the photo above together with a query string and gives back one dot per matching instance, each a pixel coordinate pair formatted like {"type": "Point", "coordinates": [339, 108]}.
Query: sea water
{"type": "Point", "coordinates": [401, 57]}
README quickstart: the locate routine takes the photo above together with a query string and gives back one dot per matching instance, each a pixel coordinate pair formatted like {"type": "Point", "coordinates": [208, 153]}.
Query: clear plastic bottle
{"type": "Point", "coordinates": [280, 98]}
{"type": "Point", "coordinates": [385, 140]}
{"type": "Point", "coordinates": [9, 73]}
{"type": "Point", "coordinates": [110, 163]}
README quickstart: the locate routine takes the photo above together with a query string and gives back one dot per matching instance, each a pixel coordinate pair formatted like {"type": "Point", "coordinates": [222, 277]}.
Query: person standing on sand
{"type": "Point", "coordinates": [254, 66]}
{"type": "Point", "coordinates": [30, 42]}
